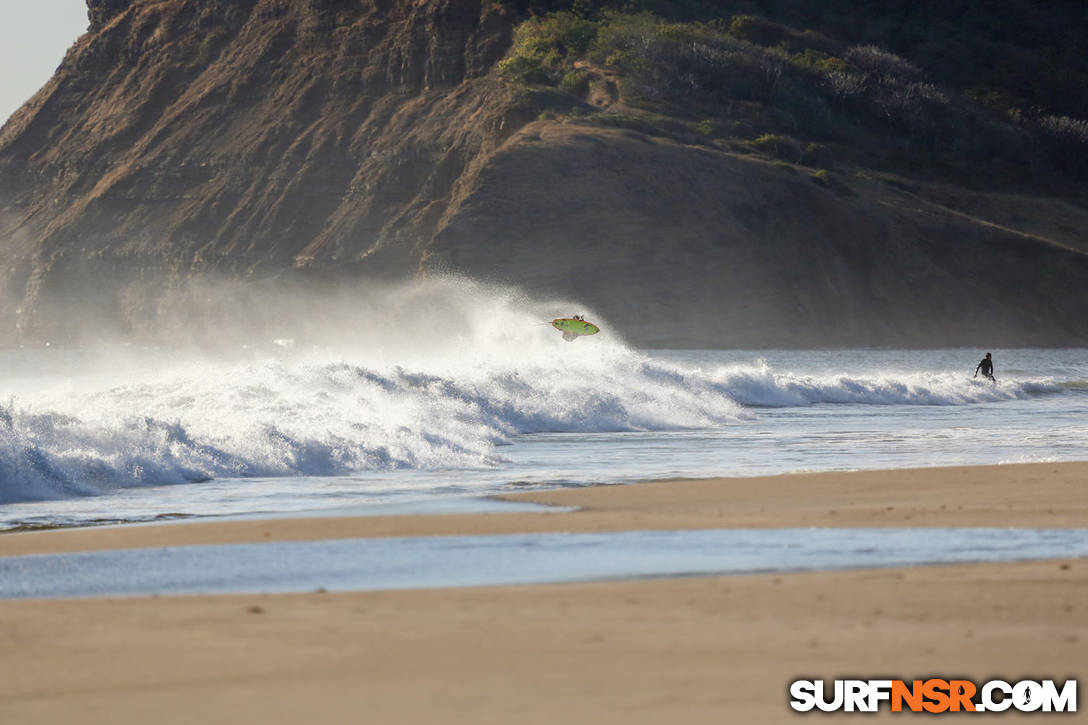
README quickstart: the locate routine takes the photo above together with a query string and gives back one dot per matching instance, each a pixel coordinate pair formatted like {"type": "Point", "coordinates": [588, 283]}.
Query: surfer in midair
{"type": "Point", "coordinates": [574, 327]}
{"type": "Point", "coordinates": [986, 365]}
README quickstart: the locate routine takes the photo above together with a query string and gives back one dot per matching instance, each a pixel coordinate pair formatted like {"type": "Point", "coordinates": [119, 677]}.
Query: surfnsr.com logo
{"type": "Point", "coordinates": [933, 695]}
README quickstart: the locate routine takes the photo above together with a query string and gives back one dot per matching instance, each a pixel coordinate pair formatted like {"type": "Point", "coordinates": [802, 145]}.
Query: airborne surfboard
{"type": "Point", "coordinates": [573, 329]}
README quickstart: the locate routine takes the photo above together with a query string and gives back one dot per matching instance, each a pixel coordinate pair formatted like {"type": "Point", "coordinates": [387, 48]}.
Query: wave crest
{"type": "Point", "coordinates": [281, 419]}
{"type": "Point", "coordinates": [761, 386]}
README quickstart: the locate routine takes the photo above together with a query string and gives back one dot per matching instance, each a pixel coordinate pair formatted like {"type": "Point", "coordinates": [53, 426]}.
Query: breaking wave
{"type": "Point", "coordinates": [437, 376]}
{"type": "Point", "coordinates": [281, 419]}
{"type": "Point", "coordinates": [761, 386]}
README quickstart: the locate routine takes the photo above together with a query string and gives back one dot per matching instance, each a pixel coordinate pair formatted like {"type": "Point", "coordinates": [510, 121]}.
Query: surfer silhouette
{"type": "Point", "coordinates": [986, 365]}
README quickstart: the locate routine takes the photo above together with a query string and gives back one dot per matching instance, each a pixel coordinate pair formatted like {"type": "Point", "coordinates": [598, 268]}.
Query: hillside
{"type": "Point", "coordinates": [706, 176]}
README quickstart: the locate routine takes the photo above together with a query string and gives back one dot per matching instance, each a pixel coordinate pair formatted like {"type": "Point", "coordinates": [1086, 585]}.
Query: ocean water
{"type": "Point", "coordinates": [460, 561]}
{"type": "Point", "coordinates": [461, 390]}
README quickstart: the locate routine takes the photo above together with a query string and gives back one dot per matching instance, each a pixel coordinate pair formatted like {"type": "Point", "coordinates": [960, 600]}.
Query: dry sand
{"type": "Point", "coordinates": [697, 650]}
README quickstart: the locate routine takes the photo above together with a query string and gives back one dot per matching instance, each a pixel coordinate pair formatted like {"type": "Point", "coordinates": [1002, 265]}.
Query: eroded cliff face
{"type": "Point", "coordinates": [373, 138]}
{"type": "Point", "coordinates": [245, 137]}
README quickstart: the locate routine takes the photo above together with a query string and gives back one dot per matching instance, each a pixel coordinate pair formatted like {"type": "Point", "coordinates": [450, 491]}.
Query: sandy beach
{"type": "Point", "coordinates": [689, 650]}
{"type": "Point", "coordinates": [1045, 495]}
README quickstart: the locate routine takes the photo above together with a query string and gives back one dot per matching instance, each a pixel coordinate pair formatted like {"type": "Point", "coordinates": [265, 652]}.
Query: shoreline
{"type": "Point", "coordinates": [702, 649]}
{"type": "Point", "coordinates": [1030, 495]}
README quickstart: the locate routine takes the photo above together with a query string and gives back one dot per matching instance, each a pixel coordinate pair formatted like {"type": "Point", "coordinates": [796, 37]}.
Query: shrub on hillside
{"type": "Point", "coordinates": [1066, 140]}
{"type": "Point", "coordinates": [816, 154]}
{"type": "Point", "coordinates": [803, 111]}
{"type": "Point", "coordinates": [767, 33]}
{"type": "Point", "coordinates": [781, 147]}
{"type": "Point", "coordinates": [544, 49]}
{"type": "Point", "coordinates": [844, 86]}
{"type": "Point", "coordinates": [681, 60]}
{"type": "Point", "coordinates": [880, 91]}
{"type": "Point", "coordinates": [576, 82]}
{"type": "Point", "coordinates": [878, 62]}
{"type": "Point", "coordinates": [917, 110]}
{"type": "Point", "coordinates": [757, 30]}
{"type": "Point", "coordinates": [1073, 131]}
{"type": "Point", "coordinates": [817, 61]}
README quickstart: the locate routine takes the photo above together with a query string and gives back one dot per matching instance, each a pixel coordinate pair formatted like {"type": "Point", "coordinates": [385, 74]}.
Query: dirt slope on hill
{"type": "Point", "coordinates": [732, 249]}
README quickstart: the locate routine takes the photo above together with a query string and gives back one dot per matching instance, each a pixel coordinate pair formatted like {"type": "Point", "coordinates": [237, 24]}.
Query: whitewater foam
{"type": "Point", "coordinates": [760, 385]}
{"type": "Point", "coordinates": [430, 376]}
{"type": "Point", "coordinates": [410, 397]}
{"type": "Point", "coordinates": [302, 418]}
{"type": "Point", "coordinates": [277, 418]}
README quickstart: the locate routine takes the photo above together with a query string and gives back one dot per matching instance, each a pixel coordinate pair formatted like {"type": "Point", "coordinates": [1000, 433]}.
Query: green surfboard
{"type": "Point", "coordinates": [573, 329]}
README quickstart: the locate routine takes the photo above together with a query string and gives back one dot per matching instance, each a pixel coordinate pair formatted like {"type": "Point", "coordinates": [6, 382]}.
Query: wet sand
{"type": "Point", "coordinates": [1044, 495]}
{"type": "Point", "coordinates": [701, 650]}
{"type": "Point", "coordinates": [689, 650]}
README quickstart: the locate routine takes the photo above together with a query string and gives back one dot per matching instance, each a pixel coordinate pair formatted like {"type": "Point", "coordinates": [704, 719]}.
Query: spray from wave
{"type": "Point", "coordinates": [434, 375]}
{"type": "Point", "coordinates": [259, 381]}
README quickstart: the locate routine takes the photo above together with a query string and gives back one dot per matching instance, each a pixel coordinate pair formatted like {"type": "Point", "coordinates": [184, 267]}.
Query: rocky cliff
{"type": "Point", "coordinates": [245, 137]}
{"type": "Point", "coordinates": [374, 138]}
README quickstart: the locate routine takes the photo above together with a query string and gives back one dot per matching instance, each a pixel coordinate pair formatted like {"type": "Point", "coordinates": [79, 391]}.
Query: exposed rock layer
{"type": "Point", "coordinates": [258, 137]}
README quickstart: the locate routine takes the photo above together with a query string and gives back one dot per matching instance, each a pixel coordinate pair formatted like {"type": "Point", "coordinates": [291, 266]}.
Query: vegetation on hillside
{"type": "Point", "coordinates": [926, 86]}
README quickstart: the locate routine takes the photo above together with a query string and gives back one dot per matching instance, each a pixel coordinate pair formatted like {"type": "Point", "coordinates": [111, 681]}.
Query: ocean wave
{"type": "Point", "coordinates": [282, 419]}
{"type": "Point", "coordinates": [443, 376]}
{"type": "Point", "coordinates": [278, 418]}
{"type": "Point", "coordinates": [761, 386]}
